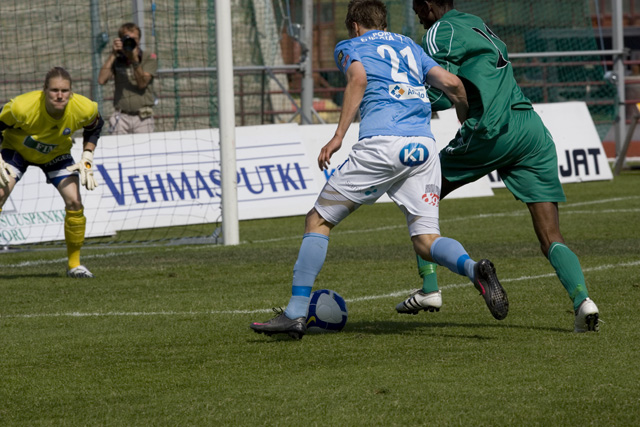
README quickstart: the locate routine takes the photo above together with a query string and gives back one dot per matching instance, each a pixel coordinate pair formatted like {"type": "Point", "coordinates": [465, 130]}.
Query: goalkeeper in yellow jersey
{"type": "Point", "coordinates": [36, 129]}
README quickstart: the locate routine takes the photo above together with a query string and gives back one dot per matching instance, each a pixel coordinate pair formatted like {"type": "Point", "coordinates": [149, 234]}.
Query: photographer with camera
{"type": "Point", "coordinates": [133, 71]}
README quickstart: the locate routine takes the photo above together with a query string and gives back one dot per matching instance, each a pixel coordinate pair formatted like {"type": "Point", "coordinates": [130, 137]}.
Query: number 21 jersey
{"type": "Point", "coordinates": [395, 101]}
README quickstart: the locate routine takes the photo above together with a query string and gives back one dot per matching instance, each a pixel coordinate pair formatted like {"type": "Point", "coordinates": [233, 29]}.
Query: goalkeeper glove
{"type": "Point", "coordinates": [85, 168]}
{"type": "Point", "coordinates": [5, 172]}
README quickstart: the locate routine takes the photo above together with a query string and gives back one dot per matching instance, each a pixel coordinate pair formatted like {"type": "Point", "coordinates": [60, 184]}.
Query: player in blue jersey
{"type": "Point", "coordinates": [396, 154]}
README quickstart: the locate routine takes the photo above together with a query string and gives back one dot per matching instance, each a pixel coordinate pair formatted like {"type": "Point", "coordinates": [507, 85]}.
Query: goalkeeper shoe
{"type": "Point", "coordinates": [491, 289]}
{"type": "Point", "coordinates": [80, 272]}
{"type": "Point", "coordinates": [281, 324]}
{"type": "Point", "coordinates": [419, 301]}
{"type": "Point", "coordinates": [586, 317]}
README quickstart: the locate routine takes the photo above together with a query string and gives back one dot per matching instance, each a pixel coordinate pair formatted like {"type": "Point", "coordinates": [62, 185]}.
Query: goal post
{"type": "Point", "coordinates": [226, 111]}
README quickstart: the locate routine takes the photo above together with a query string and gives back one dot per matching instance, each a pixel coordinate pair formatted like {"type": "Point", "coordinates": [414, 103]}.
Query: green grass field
{"type": "Point", "coordinates": [161, 336]}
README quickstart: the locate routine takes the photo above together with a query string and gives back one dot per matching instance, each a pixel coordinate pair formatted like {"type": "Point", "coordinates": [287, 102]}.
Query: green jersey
{"type": "Point", "coordinates": [464, 45]}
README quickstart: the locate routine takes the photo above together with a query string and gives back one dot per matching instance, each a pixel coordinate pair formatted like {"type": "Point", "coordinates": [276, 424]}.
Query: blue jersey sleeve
{"type": "Point", "coordinates": [344, 54]}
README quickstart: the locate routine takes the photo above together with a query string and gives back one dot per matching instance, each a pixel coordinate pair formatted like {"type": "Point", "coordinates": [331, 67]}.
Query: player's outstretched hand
{"type": "Point", "coordinates": [6, 171]}
{"type": "Point", "coordinates": [85, 168]}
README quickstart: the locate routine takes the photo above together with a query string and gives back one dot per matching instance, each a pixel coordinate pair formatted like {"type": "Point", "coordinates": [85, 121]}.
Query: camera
{"type": "Point", "coordinates": [128, 43]}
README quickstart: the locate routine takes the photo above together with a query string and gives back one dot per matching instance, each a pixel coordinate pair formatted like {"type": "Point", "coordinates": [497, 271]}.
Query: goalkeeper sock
{"type": "Point", "coordinates": [75, 224]}
{"type": "Point", "coordinates": [569, 271]}
{"type": "Point", "coordinates": [427, 271]}
{"type": "Point", "coordinates": [313, 252]}
{"type": "Point", "coordinates": [450, 253]}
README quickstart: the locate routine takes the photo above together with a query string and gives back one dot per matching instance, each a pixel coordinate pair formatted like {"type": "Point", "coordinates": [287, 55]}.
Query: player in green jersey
{"type": "Point", "coordinates": [502, 133]}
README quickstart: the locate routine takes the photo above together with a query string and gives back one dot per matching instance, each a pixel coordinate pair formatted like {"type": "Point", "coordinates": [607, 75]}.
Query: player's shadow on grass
{"type": "Point", "coordinates": [387, 327]}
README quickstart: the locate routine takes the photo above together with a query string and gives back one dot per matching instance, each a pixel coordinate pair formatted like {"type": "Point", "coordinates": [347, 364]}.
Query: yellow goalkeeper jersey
{"type": "Point", "coordinates": [37, 136]}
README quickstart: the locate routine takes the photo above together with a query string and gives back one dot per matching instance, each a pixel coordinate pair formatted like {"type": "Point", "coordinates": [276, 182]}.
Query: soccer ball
{"type": "Point", "coordinates": [327, 312]}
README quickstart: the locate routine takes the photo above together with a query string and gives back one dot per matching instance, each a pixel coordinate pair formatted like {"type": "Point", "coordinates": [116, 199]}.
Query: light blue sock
{"type": "Point", "coordinates": [450, 253]}
{"type": "Point", "coordinates": [313, 251]}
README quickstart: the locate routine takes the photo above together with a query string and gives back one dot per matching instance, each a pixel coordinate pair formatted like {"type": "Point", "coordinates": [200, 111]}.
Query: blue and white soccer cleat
{"type": "Point", "coordinates": [80, 272]}
{"type": "Point", "coordinates": [586, 317]}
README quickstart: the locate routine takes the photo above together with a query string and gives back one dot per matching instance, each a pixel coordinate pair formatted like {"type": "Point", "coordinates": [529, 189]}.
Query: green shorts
{"type": "Point", "coordinates": [524, 156]}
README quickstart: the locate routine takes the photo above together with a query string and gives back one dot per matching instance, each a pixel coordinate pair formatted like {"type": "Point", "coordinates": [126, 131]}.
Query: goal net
{"type": "Point", "coordinates": [157, 186]}
{"type": "Point", "coordinates": [533, 26]}
{"type": "Point", "coordinates": [165, 185]}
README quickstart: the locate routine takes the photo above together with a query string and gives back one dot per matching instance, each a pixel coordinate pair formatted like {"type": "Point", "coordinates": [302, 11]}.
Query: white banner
{"type": "Point", "coordinates": [167, 179]}
{"type": "Point", "coordinates": [173, 178]}
{"type": "Point", "coordinates": [581, 156]}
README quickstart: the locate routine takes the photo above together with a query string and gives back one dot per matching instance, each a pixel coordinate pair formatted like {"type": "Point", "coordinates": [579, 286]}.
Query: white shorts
{"type": "Point", "coordinates": [405, 168]}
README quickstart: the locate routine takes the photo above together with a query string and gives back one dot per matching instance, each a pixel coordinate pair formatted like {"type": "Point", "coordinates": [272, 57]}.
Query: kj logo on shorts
{"type": "Point", "coordinates": [414, 154]}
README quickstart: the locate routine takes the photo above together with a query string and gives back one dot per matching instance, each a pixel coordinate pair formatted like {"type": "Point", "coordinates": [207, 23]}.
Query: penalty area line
{"type": "Point", "coordinates": [268, 310]}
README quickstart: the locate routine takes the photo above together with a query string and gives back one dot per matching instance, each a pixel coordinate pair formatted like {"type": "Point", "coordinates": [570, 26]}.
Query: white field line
{"type": "Point", "coordinates": [595, 202]}
{"type": "Point", "coordinates": [265, 310]}
{"type": "Point", "coordinates": [61, 260]}
{"type": "Point", "coordinates": [523, 212]}
{"type": "Point", "coordinates": [369, 230]}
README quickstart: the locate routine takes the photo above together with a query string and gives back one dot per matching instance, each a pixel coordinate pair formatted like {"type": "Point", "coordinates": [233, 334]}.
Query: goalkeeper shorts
{"type": "Point", "coordinates": [55, 170]}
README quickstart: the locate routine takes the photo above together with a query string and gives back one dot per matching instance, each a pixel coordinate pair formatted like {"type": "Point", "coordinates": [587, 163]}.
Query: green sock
{"type": "Point", "coordinates": [568, 269]}
{"type": "Point", "coordinates": [427, 271]}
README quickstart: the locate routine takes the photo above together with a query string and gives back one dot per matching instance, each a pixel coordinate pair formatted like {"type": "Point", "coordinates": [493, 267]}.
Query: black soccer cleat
{"type": "Point", "coordinates": [491, 289]}
{"type": "Point", "coordinates": [281, 324]}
